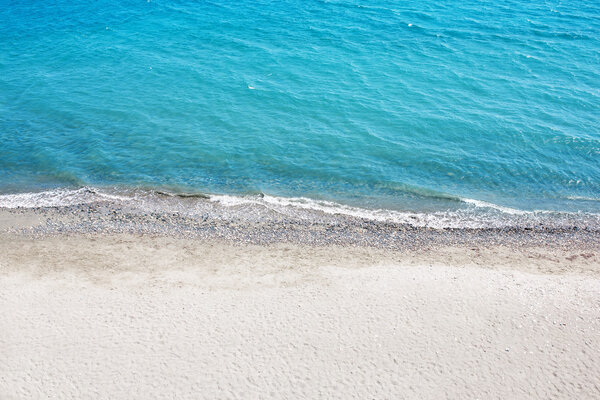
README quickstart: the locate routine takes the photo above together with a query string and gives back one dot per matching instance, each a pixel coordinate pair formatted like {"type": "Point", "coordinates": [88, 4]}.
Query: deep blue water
{"type": "Point", "coordinates": [393, 104]}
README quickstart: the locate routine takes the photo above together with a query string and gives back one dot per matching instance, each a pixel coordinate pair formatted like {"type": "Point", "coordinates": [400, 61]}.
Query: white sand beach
{"type": "Point", "coordinates": [124, 317]}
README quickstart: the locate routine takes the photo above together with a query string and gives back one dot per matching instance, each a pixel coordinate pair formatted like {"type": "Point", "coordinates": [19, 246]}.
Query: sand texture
{"type": "Point", "coordinates": [131, 317]}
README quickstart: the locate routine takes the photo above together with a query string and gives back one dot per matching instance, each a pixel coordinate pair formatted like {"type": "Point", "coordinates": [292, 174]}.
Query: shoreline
{"type": "Point", "coordinates": [455, 213]}
{"type": "Point", "coordinates": [248, 222]}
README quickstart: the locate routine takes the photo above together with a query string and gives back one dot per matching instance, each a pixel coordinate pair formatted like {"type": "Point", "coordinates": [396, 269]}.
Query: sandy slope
{"type": "Point", "coordinates": [126, 317]}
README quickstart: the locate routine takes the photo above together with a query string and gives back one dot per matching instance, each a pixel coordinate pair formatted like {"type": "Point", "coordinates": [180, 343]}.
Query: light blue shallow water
{"type": "Point", "coordinates": [400, 105]}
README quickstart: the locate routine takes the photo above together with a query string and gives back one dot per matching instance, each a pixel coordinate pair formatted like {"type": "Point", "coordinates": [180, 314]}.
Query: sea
{"type": "Point", "coordinates": [435, 113]}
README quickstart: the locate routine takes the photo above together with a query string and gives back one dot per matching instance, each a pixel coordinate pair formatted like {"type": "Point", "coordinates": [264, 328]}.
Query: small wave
{"type": "Point", "coordinates": [439, 220]}
{"type": "Point", "coordinates": [475, 214]}
{"type": "Point", "coordinates": [183, 195]}
{"type": "Point", "coordinates": [337, 208]}
{"type": "Point", "coordinates": [583, 198]}
{"type": "Point", "coordinates": [485, 204]}
{"type": "Point", "coordinates": [328, 207]}
{"type": "Point", "coordinates": [55, 198]}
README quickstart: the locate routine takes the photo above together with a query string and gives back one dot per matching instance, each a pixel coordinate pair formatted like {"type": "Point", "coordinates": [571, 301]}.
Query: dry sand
{"type": "Point", "coordinates": [141, 317]}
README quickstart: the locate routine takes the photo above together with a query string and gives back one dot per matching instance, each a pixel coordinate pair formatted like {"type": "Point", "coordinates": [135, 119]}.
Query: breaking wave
{"type": "Point", "coordinates": [470, 213]}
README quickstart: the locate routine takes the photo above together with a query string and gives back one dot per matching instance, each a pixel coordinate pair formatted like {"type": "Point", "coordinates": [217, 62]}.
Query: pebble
{"type": "Point", "coordinates": [260, 225]}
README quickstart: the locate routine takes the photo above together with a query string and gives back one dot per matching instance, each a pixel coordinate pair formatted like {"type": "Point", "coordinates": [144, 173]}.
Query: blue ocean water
{"type": "Point", "coordinates": [377, 104]}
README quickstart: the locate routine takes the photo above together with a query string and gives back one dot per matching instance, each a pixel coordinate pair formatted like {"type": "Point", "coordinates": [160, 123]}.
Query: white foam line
{"type": "Point", "coordinates": [433, 220]}
{"type": "Point", "coordinates": [463, 218]}
{"type": "Point", "coordinates": [55, 198]}
{"type": "Point", "coordinates": [302, 203]}
{"type": "Point", "coordinates": [583, 198]}
{"type": "Point", "coordinates": [485, 204]}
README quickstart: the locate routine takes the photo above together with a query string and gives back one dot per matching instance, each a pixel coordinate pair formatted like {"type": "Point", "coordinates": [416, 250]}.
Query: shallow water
{"type": "Point", "coordinates": [411, 108]}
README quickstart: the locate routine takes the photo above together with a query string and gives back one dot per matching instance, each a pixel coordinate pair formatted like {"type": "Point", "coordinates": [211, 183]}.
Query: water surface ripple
{"type": "Point", "coordinates": [412, 107]}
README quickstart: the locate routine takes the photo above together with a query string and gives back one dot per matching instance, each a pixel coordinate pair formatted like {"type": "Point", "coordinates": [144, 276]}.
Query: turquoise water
{"type": "Point", "coordinates": [375, 104]}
